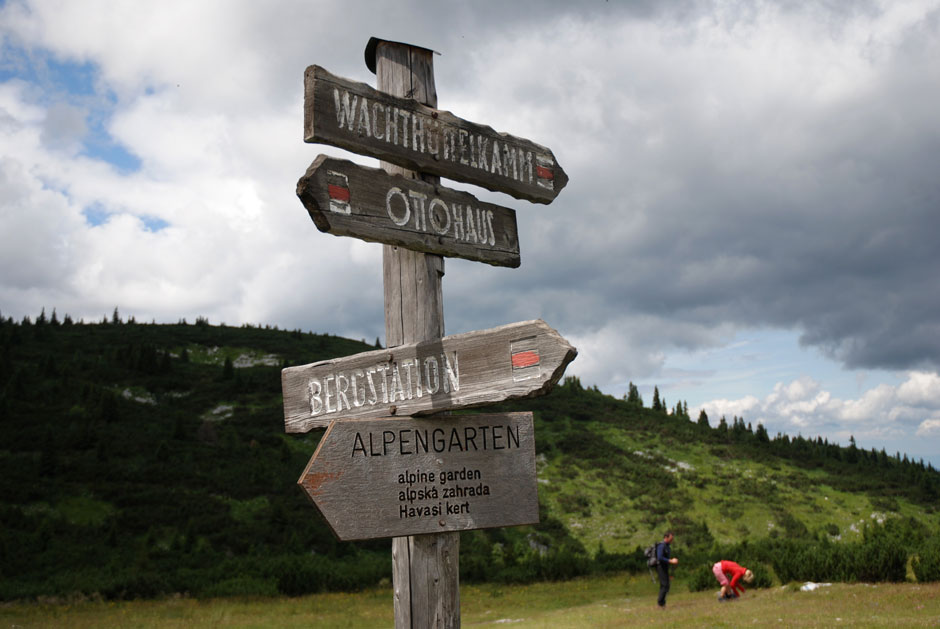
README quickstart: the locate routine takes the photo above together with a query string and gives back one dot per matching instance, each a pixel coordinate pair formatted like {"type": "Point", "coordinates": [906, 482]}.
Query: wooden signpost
{"type": "Point", "coordinates": [384, 467]}
{"type": "Point", "coordinates": [402, 131]}
{"type": "Point", "coordinates": [346, 199]}
{"type": "Point", "coordinates": [461, 371]}
{"type": "Point", "coordinates": [409, 476]}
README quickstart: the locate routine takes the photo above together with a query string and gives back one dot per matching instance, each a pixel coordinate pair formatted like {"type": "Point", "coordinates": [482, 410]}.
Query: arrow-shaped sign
{"type": "Point", "coordinates": [346, 199]}
{"type": "Point", "coordinates": [359, 118]}
{"type": "Point", "coordinates": [461, 371]}
{"type": "Point", "coordinates": [394, 477]}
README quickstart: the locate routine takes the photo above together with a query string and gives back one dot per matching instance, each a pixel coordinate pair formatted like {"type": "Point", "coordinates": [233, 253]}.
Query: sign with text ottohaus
{"type": "Point", "coordinates": [346, 199]}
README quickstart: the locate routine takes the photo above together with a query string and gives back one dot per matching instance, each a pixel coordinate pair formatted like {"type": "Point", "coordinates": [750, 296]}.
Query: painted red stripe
{"type": "Point", "coordinates": [525, 359]}
{"type": "Point", "coordinates": [339, 193]}
{"type": "Point", "coordinates": [544, 173]}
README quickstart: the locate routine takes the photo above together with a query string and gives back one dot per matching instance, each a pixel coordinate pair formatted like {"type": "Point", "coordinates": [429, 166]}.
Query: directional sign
{"type": "Point", "coordinates": [346, 199]}
{"type": "Point", "coordinates": [361, 119]}
{"type": "Point", "coordinates": [394, 477]}
{"type": "Point", "coordinates": [461, 371]}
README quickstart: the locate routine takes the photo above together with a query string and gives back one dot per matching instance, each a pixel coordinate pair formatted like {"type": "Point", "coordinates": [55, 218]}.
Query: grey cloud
{"type": "Point", "coordinates": [702, 196]}
{"type": "Point", "coordinates": [64, 126]}
{"type": "Point", "coordinates": [820, 217]}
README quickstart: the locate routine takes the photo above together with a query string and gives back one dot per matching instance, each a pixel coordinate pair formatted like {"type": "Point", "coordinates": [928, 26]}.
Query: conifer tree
{"type": "Point", "coordinates": [633, 396]}
{"type": "Point", "coordinates": [761, 434]}
{"type": "Point", "coordinates": [851, 455]}
{"type": "Point", "coordinates": [703, 418]}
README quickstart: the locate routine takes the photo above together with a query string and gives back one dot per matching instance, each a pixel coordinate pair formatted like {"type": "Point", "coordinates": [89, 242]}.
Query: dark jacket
{"type": "Point", "coordinates": [663, 552]}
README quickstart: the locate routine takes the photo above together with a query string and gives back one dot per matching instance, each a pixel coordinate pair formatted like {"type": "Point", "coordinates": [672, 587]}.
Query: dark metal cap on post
{"type": "Point", "coordinates": [374, 43]}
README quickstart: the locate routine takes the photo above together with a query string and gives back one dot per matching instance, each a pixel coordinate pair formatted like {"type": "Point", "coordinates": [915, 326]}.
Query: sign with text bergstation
{"type": "Point", "coordinates": [361, 119]}
{"type": "Point", "coordinates": [518, 360]}
{"type": "Point", "coordinates": [346, 199]}
{"type": "Point", "coordinates": [393, 477]}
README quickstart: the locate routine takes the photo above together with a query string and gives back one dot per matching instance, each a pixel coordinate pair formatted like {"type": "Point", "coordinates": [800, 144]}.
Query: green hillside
{"type": "Point", "coordinates": [141, 459]}
{"type": "Point", "coordinates": [617, 473]}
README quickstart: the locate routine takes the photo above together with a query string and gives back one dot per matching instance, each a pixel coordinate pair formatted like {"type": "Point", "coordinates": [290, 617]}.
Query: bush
{"type": "Point", "coordinates": [242, 585]}
{"type": "Point", "coordinates": [880, 558]}
{"type": "Point", "coordinates": [926, 563]}
{"type": "Point", "coordinates": [619, 562]}
{"type": "Point", "coordinates": [307, 574]}
{"type": "Point", "coordinates": [702, 579]}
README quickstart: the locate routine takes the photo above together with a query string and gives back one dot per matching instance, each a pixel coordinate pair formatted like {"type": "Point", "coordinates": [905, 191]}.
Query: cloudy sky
{"type": "Point", "coordinates": [751, 222]}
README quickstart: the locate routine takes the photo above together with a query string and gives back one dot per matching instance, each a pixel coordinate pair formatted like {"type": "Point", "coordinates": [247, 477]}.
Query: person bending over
{"type": "Point", "coordinates": [730, 575]}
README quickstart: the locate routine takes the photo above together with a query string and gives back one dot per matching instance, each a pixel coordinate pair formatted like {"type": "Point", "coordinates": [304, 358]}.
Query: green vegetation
{"type": "Point", "coordinates": [140, 460]}
{"type": "Point", "coordinates": [605, 601]}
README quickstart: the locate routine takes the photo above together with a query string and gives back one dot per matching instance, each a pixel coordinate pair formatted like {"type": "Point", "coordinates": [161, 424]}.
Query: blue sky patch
{"type": "Point", "coordinates": [101, 147]}
{"type": "Point", "coordinates": [95, 214]}
{"type": "Point", "coordinates": [154, 224]}
{"type": "Point", "coordinates": [77, 84]}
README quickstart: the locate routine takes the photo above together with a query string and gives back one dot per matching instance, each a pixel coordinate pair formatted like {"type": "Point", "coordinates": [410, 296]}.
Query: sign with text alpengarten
{"type": "Point", "coordinates": [346, 199]}
{"type": "Point", "coordinates": [392, 477]}
{"type": "Point", "coordinates": [361, 119]}
{"type": "Point", "coordinates": [518, 360]}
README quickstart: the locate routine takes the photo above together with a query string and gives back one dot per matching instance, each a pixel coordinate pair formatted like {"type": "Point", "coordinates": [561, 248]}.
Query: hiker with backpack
{"type": "Point", "coordinates": [731, 589]}
{"type": "Point", "coordinates": [664, 559]}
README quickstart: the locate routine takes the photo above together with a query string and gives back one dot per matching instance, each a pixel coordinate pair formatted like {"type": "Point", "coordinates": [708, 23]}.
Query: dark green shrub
{"type": "Point", "coordinates": [562, 565]}
{"type": "Point", "coordinates": [926, 562]}
{"type": "Point", "coordinates": [619, 562]}
{"type": "Point", "coordinates": [881, 559]}
{"type": "Point", "coordinates": [243, 585]}
{"type": "Point", "coordinates": [702, 578]}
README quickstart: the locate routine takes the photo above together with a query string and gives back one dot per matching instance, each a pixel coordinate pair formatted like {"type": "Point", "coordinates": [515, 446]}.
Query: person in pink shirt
{"type": "Point", "coordinates": [724, 570]}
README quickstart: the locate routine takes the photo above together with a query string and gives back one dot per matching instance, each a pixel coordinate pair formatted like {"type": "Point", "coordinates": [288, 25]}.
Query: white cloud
{"type": "Point", "coordinates": [929, 428]}
{"type": "Point", "coordinates": [921, 389]}
{"type": "Point", "coordinates": [804, 406]}
{"type": "Point", "coordinates": [747, 406]}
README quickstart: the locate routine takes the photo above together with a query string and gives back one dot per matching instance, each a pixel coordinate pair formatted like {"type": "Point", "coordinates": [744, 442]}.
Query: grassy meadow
{"type": "Point", "coordinates": [609, 601]}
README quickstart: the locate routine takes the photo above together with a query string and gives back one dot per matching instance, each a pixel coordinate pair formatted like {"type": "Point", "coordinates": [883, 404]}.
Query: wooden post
{"type": "Point", "coordinates": [425, 567]}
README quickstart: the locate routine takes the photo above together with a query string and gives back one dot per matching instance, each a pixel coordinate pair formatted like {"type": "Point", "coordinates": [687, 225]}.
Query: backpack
{"type": "Point", "coordinates": [650, 554]}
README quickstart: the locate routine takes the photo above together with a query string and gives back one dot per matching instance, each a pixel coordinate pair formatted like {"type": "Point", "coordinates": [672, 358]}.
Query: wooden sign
{"type": "Point", "coordinates": [346, 199]}
{"type": "Point", "coordinates": [461, 371]}
{"type": "Point", "coordinates": [361, 119]}
{"type": "Point", "coordinates": [394, 477]}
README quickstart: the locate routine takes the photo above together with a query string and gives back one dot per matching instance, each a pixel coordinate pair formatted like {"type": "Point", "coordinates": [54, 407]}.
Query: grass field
{"type": "Point", "coordinates": [612, 601]}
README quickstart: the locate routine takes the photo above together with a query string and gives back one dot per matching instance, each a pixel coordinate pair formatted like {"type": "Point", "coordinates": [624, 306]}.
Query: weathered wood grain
{"type": "Point", "coordinates": [518, 360]}
{"type": "Point", "coordinates": [425, 568]}
{"type": "Point", "coordinates": [401, 130]}
{"type": "Point", "coordinates": [346, 199]}
{"type": "Point", "coordinates": [409, 476]}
